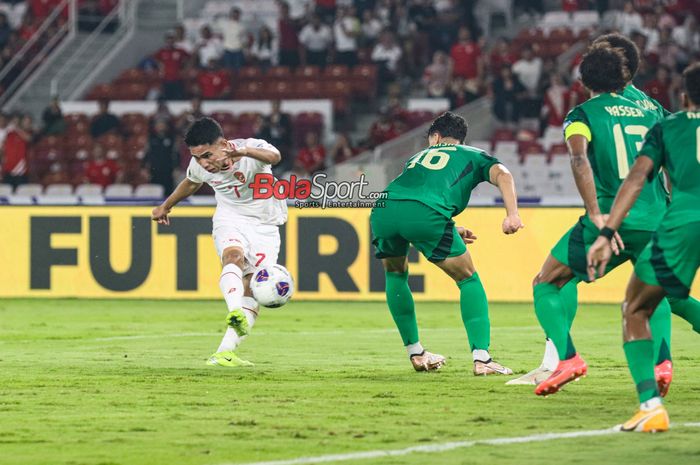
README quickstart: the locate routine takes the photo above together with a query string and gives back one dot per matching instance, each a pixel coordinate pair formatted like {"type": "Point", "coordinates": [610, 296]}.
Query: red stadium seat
{"type": "Point", "coordinates": [223, 117]}
{"type": "Point", "coordinates": [308, 72]}
{"type": "Point", "coordinates": [131, 91]}
{"type": "Point", "coordinates": [337, 72]}
{"type": "Point", "coordinates": [307, 89]}
{"type": "Point", "coordinates": [248, 90]}
{"type": "Point", "coordinates": [557, 150]}
{"type": "Point", "coordinates": [502, 134]}
{"type": "Point", "coordinates": [277, 89]}
{"type": "Point", "coordinates": [364, 81]}
{"type": "Point", "coordinates": [530, 147]}
{"type": "Point", "coordinates": [249, 73]}
{"type": "Point", "coordinates": [279, 73]}
{"type": "Point", "coordinates": [101, 91]}
{"type": "Point", "coordinates": [338, 91]}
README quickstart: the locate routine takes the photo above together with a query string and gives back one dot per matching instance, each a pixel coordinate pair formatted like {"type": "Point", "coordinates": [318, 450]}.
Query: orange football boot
{"type": "Point", "coordinates": [567, 371]}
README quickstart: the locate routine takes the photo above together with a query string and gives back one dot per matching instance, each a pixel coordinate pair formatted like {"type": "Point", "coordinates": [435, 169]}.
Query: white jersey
{"type": "Point", "coordinates": [234, 197]}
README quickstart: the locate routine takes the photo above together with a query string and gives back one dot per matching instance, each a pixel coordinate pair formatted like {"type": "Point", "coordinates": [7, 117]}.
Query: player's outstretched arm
{"type": "Point", "coordinates": [265, 153]}
{"type": "Point", "coordinates": [500, 177]}
{"type": "Point", "coordinates": [601, 250]}
{"type": "Point", "coordinates": [181, 192]}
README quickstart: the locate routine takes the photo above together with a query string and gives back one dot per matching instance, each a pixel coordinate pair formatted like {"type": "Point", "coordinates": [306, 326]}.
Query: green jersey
{"type": "Point", "coordinates": [674, 143]}
{"type": "Point", "coordinates": [615, 128]}
{"type": "Point", "coordinates": [442, 177]}
{"type": "Point", "coordinates": [645, 102]}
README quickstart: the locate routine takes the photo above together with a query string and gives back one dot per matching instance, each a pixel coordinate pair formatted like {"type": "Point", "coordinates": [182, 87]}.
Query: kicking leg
{"type": "Point", "coordinates": [475, 312]}
{"type": "Point", "coordinates": [403, 311]}
{"type": "Point", "coordinates": [553, 310]}
{"type": "Point", "coordinates": [640, 301]}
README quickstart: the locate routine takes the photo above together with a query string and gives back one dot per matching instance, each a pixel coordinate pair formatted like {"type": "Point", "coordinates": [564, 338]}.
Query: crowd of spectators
{"type": "Point", "coordinates": [426, 48]}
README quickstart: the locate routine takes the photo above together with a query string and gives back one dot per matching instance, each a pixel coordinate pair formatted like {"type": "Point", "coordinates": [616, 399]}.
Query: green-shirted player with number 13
{"type": "Point", "coordinates": [435, 186]}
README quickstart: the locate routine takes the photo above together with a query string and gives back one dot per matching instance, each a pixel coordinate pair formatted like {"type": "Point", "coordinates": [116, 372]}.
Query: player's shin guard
{"type": "Point", "coordinates": [569, 297]}
{"type": "Point", "coordinates": [640, 359]}
{"type": "Point", "coordinates": [403, 310]}
{"type": "Point", "coordinates": [475, 312]}
{"type": "Point", "coordinates": [688, 309]}
{"type": "Point", "coordinates": [551, 314]}
{"type": "Point", "coordinates": [660, 325]}
{"type": "Point", "coordinates": [231, 284]}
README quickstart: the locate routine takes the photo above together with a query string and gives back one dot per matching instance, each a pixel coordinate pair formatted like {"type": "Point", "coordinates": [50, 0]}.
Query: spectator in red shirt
{"type": "Point", "coordinates": [466, 56]}
{"type": "Point", "coordinates": [384, 129]}
{"type": "Point", "coordinates": [213, 81]}
{"type": "Point", "coordinates": [658, 88]}
{"type": "Point", "coordinates": [502, 55]}
{"type": "Point", "coordinates": [100, 170]}
{"type": "Point", "coordinates": [288, 38]}
{"type": "Point", "coordinates": [171, 61]}
{"type": "Point", "coordinates": [15, 150]}
{"type": "Point", "coordinates": [312, 156]}
{"type": "Point", "coordinates": [569, 5]}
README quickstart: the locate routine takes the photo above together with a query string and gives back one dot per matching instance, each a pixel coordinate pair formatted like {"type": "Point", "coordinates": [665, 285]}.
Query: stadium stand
{"type": "Point", "coordinates": [528, 72]}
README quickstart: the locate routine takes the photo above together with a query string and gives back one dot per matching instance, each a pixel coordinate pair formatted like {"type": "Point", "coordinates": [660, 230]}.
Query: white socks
{"type": "Point", "coordinates": [651, 404]}
{"type": "Point", "coordinates": [232, 340]}
{"type": "Point", "coordinates": [414, 349]}
{"type": "Point", "coordinates": [551, 356]}
{"type": "Point", "coordinates": [231, 284]}
{"type": "Point", "coordinates": [481, 355]}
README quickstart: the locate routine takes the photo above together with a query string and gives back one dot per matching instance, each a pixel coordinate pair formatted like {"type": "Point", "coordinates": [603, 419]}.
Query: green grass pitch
{"type": "Point", "coordinates": [124, 382]}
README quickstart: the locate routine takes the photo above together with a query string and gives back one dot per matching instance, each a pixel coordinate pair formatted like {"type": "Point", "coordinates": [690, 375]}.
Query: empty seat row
{"type": "Point", "coordinates": [143, 191]}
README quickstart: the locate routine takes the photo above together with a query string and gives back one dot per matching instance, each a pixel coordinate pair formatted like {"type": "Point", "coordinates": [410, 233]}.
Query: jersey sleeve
{"type": "Point", "coordinates": [576, 124]}
{"type": "Point", "coordinates": [260, 144]}
{"type": "Point", "coordinates": [193, 172]}
{"type": "Point", "coordinates": [662, 111]}
{"type": "Point", "coordinates": [484, 163]}
{"type": "Point", "coordinates": [654, 148]}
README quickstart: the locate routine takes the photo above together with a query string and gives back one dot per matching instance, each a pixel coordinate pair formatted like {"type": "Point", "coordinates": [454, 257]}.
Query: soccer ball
{"type": "Point", "coordinates": [272, 286]}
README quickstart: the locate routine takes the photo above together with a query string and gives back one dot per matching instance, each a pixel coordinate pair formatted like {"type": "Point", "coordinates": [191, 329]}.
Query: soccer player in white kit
{"type": "Point", "coordinates": [245, 230]}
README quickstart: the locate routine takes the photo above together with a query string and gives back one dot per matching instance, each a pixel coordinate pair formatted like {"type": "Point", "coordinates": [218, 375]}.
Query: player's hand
{"type": "Point", "coordinates": [235, 153]}
{"type": "Point", "coordinates": [512, 224]}
{"type": "Point", "coordinates": [160, 215]}
{"type": "Point", "coordinates": [598, 257]}
{"type": "Point", "coordinates": [616, 243]}
{"type": "Point", "coordinates": [467, 236]}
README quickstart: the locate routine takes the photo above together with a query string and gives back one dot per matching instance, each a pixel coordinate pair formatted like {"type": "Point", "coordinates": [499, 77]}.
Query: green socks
{"type": "Point", "coordinates": [400, 302]}
{"type": "Point", "coordinates": [640, 359]}
{"type": "Point", "coordinates": [552, 315]}
{"type": "Point", "coordinates": [688, 309]}
{"type": "Point", "coordinates": [660, 325]}
{"type": "Point", "coordinates": [475, 312]}
{"type": "Point", "coordinates": [569, 297]}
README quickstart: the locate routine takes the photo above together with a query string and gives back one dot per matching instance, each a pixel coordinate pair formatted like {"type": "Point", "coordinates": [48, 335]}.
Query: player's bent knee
{"type": "Point", "coordinates": [233, 255]}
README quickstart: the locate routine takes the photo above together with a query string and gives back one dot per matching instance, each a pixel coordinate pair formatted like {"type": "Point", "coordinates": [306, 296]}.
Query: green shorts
{"type": "Point", "coordinates": [404, 222]}
{"type": "Point", "coordinates": [572, 248]}
{"type": "Point", "coordinates": [671, 259]}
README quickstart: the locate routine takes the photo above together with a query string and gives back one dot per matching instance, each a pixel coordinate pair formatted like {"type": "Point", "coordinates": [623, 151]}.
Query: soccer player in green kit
{"type": "Point", "coordinates": [686, 308]}
{"type": "Point", "coordinates": [435, 186]}
{"type": "Point", "coordinates": [603, 135]}
{"type": "Point", "coordinates": [668, 264]}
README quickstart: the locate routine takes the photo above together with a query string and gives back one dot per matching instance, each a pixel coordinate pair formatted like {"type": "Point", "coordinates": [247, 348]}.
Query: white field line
{"type": "Point", "coordinates": [444, 447]}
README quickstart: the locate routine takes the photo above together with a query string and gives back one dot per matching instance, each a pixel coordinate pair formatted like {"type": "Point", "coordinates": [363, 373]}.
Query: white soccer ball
{"type": "Point", "coordinates": [272, 286]}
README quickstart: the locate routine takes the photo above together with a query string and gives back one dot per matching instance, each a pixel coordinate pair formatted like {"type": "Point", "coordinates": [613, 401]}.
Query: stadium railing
{"type": "Point", "coordinates": [66, 30]}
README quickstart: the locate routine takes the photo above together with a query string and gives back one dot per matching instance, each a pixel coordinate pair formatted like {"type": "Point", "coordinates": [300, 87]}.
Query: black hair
{"type": "Point", "coordinates": [449, 125]}
{"type": "Point", "coordinates": [204, 131]}
{"type": "Point", "coordinates": [604, 69]}
{"type": "Point", "coordinates": [628, 47]}
{"type": "Point", "coordinates": [691, 83]}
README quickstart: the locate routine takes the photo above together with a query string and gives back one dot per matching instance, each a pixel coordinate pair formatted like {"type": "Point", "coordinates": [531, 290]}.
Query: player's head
{"type": "Point", "coordinates": [691, 86]}
{"type": "Point", "coordinates": [604, 69]}
{"type": "Point", "coordinates": [447, 125]}
{"type": "Point", "coordinates": [628, 47]}
{"type": "Point", "coordinates": [207, 144]}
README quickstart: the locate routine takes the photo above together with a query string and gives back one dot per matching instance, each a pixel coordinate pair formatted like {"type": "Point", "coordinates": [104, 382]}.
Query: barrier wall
{"type": "Point", "coordinates": [119, 252]}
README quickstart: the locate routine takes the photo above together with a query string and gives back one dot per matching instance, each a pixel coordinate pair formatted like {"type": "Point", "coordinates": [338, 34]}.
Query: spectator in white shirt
{"type": "Point", "coordinates": [315, 39]}
{"type": "Point", "coordinates": [688, 35]}
{"type": "Point", "coordinates": [264, 49]}
{"type": "Point", "coordinates": [371, 27]}
{"type": "Point", "coordinates": [235, 36]}
{"type": "Point", "coordinates": [209, 47]}
{"type": "Point", "coordinates": [628, 19]}
{"type": "Point", "coordinates": [388, 55]}
{"type": "Point", "coordinates": [181, 40]}
{"type": "Point", "coordinates": [651, 33]}
{"type": "Point", "coordinates": [529, 70]}
{"type": "Point", "coordinates": [345, 30]}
